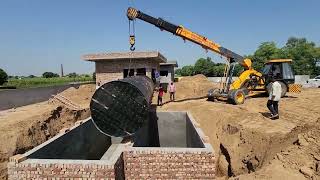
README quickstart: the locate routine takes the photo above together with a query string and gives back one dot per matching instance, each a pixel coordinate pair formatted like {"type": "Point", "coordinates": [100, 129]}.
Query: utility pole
{"type": "Point", "coordinates": [61, 70]}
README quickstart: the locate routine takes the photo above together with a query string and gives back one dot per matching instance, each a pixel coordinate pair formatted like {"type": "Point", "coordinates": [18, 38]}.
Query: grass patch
{"type": "Point", "coordinates": [44, 82]}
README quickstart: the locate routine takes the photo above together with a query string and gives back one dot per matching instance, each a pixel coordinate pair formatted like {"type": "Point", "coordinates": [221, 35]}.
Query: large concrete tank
{"type": "Point", "coordinates": [120, 108]}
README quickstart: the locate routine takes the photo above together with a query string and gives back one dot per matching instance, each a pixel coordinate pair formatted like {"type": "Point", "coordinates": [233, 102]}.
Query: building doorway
{"type": "Point", "coordinates": [141, 72]}
{"type": "Point", "coordinates": [127, 73]}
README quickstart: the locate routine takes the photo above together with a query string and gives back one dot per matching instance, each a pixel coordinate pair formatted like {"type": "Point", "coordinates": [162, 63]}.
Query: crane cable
{"type": "Point", "coordinates": [131, 41]}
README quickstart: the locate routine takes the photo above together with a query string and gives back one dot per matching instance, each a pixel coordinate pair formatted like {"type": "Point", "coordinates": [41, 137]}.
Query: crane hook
{"type": "Point", "coordinates": [132, 48]}
{"type": "Point", "coordinates": [132, 38]}
{"type": "Point", "coordinates": [132, 41]}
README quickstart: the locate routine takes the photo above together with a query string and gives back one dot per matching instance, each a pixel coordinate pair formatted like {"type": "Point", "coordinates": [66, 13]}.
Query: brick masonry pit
{"type": "Point", "coordinates": [169, 146]}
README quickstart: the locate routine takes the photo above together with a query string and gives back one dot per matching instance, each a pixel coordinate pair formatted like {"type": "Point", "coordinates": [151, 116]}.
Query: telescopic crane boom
{"type": "Point", "coordinates": [186, 34]}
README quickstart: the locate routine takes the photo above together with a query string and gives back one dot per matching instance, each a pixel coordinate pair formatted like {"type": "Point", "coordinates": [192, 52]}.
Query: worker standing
{"type": "Point", "coordinates": [274, 98]}
{"type": "Point", "coordinates": [160, 95]}
{"type": "Point", "coordinates": [172, 91]}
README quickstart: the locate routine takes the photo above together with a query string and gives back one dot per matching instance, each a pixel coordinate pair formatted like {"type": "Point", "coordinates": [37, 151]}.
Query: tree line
{"type": "Point", "coordinates": [305, 55]}
{"type": "Point", "coordinates": [4, 77]}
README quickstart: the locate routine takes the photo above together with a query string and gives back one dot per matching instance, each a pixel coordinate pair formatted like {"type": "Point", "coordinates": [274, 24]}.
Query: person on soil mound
{"type": "Point", "coordinates": [274, 98]}
{"type": "Point", "coordinates": [172, 90]}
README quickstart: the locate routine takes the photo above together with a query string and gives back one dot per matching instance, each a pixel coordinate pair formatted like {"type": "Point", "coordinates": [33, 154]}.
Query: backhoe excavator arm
{"type": "Point", "coordinates": [186, 34]}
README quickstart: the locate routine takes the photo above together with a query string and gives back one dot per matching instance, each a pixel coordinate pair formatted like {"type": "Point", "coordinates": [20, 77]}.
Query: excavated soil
{"type": "Point", "coordinates": [249, 145]}
{"type": "Point", "coordinates": [26, 127]}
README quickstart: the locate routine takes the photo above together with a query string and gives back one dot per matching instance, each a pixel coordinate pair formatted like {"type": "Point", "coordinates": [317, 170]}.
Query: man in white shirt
{"type": "Point", "coordinates": [274, 98]}
{"type": "Point", "coordinates": [172, 90]}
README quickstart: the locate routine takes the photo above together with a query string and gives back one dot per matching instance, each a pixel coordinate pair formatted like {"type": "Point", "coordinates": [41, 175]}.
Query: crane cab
{"type": "Point", "coordinates": [281, 71]}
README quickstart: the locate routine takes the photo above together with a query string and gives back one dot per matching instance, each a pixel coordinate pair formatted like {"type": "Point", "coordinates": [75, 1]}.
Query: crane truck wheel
{"type": "Point", "coordinates": [212, 94]}
{"type": "Point", "coordinates": [237, 96]}
{"type": "Point", "coordinates": [284, 88]}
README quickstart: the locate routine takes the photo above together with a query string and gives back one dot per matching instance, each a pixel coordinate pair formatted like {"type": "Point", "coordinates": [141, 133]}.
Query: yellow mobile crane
{"type": "Point", "coordinates": [250, 81]}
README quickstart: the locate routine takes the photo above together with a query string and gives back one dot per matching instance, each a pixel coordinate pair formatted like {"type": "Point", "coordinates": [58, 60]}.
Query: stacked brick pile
{"type": "Point", "coordinates": [168, 164]}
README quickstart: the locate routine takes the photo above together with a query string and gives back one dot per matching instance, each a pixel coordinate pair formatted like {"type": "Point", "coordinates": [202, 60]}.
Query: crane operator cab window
{"type": "Point", "coordinates": [276, 72]}
{"type": "Point", "coordinates": [279, 71]}
{"type": "Point", "coordinates": [287, 71]}
{"type": "Point", "coordinates": [272, 71]}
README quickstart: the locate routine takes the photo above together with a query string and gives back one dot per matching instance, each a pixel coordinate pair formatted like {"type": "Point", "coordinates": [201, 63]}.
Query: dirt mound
{"type": "Point", "coordinates": [81, 95]}
{"type": "Point", "coordinates": [194, 86]}
{"type": "Point", "coordinates": [195, 78]}
{"type": "Point", "coordinates": [189, 87]}
{"type": "Point", "coordinates": [248, 144]}
{"type": "Point", "coordinates": [299, 160]}
{"type": "Point", "coordinates": [28, 126]}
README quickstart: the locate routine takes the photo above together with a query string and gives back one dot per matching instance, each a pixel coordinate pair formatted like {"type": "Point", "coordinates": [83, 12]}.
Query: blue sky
{"type": "Point", "coordinates": [39, 35]}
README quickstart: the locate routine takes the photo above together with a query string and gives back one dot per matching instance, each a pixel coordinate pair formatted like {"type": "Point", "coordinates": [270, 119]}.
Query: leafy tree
{"type": "Point", "coordinates": [49, 75]}
{"type": "Point", "coordinates": [3, 76]}
{"type": "Point", "coordinates": [217, 70]}
{"type": "Point", "coordinates": [72, 75]}
{"type": "Point", "coordinates": [31, 76]}
{"type": "Point", "coordinates": [265, 52]}
{"type": "Point", "coordinates": [187, 71]}
{"type": "Point", "coordinates": [178, 72]}
{"type": "Point", "coordinates": [304, 55]}
{"type": "Point", "coordinates": [203, 66]}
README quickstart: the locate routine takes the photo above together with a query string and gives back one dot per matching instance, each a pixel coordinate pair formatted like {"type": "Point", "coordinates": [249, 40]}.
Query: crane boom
{"type": "Point", "coordinates": [186, 34]}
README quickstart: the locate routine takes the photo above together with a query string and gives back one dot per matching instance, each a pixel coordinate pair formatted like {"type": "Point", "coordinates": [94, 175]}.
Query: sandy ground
{"type": "Point", "coordinates": [251, 146]}
{"type": "Point", "coordinates": [248, 145]}
{"type": "Point", "coordinates": [26, 127]}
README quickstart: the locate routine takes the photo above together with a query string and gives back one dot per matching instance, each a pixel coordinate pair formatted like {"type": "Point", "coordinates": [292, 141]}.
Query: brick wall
{"type": "Point", "coordinates": [58, 170]}
{"type": "Point", "coordinates": [113, 70]}
{"type": "Point", "coordinates": [151, 163]}
{"type": "Point", "coordinates": [103, 78]}
{"type": "Point", "coordinates": [126, 162]}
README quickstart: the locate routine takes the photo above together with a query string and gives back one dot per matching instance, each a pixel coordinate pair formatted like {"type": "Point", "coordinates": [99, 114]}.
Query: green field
{"type": "Point", "coordinates": [44, 82]}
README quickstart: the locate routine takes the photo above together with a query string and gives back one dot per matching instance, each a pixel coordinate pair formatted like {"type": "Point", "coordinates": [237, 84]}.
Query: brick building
{"type": "Point", "coordinates": [114, 66]}
{"type": "Point", "coordinates": [167, 71]}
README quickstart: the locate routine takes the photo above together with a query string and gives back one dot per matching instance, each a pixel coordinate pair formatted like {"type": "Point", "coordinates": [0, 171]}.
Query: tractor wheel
{"type": "Point", "coordinates": [237, 96]}
{"type": "Point", "coordinates": [284, 88]}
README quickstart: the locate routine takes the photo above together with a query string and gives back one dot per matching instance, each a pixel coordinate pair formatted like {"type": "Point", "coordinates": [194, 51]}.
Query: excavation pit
{"type": "Point", "coordinates": [170, 145]}
{"type": "Point", "coordinates": [168, 129]}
